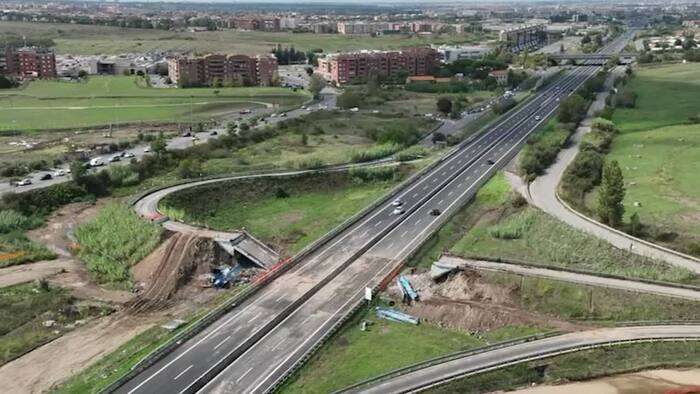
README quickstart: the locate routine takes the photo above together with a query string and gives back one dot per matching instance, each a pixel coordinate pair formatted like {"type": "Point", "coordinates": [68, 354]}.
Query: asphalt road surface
{"type": "Point", "coordinates": [228, 341]}
{"type": "Point", "coordinates": [687, 293]}
{"type": "Point", "coordinates": [443, 372]}
{"type": "Point", "coordinates": [254, 346]}
{"type": "Point", "coordinates": [177, 143]}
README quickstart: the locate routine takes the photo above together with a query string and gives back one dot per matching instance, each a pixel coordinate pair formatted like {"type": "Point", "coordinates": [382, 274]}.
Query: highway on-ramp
{"type": "Point", "coordinates": [257, 344]}
{"type": "Point", "coordinates": [453, 368]}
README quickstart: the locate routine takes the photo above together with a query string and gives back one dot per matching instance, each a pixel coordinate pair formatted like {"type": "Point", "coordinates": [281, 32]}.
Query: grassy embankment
{"type": "Point", "coordinates": [84, 40]}
{"type": "Point", "coordinates": [583, 365]}
{"type": "Point", "coordinates": [103, 100]}
{"type": "Point", "coordinates": [657, 147]}
{"type": "Point", "coordinates": [112, 366]}
{"type": "Point", "coordinates": [114, 241]}
{"type": "Point", "coordinates": [25, 308]}
{"type": "Point", "coordinates": [497, 225]}
{"type": "Point", "coordinates": [289, 212]}
{"type": "Point", "coordinates": [15, 247]}
{"type": "Point", "coordinates": [353, 355]}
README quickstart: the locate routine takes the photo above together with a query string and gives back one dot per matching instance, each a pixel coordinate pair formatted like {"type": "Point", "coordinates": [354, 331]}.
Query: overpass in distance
{"type": "Point", "coordinates": [259, 343]}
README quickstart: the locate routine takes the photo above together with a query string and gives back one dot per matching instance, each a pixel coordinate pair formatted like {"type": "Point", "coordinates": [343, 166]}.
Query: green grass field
{"type": "Point", "coordinates": [658, 153]}
{"type": "Point", "coordinates": [24, 308]}
{"type": "Point", "coordinates": [353, 355]}
{"type": "Point", "coordinates": [314, 205]}
{"type": "Point", "coordinates": [119, 99]}
{"type": "Point", "coordinates": [84, 40]}
{"type": "Point", "coordinates": [491, 226]}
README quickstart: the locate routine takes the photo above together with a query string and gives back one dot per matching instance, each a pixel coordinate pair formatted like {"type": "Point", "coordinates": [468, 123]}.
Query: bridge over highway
{"type": "Point", "coordinates": [597, 58]}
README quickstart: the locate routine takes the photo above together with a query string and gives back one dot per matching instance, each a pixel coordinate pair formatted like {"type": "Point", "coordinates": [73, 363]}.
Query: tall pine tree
{"type": "Point", "coordinates": [611, 194]}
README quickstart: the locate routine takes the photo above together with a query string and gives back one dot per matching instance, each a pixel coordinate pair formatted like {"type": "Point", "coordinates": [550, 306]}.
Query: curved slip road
{"type": "Point", "coordinates": [256, 345]}
{"type": "Point", "coordinates": [542, 192]}
{"type": "Point", "coordinates": [685, 292]}
{"type": "Point", "coordinates": [440, 373]}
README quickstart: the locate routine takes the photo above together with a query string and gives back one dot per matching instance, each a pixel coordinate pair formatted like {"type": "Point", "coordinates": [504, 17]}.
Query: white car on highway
{"type": "Point", "coordinates": [24, 182]}
{"type": "Point", "coordinates": [96, 162]}
{"type": "Point", "coordinates": [398, 211]}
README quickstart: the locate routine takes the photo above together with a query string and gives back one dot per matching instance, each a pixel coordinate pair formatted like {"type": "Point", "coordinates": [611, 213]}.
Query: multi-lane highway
{"type": "Point", "coordinates": [442, 372]}
{"type": "Point", "coordinates": [257, 344]}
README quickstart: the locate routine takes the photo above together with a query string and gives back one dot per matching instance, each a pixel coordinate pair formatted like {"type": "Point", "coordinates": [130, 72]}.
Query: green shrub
{"type": "Point", "coordinates": [514, 227]}
{"type": "Point", "coordinates": [43, 201]}
{"type": "Point", "coordinates": [412, 153]}
{"type": "Point", "coordinates": [374, 153]}
{"type": "Point", "coordinates": [12, 220]}
{"type": "Point", "coordinates": [114, 241]}
{"type": "Point", "coordinates": [362, 175]}
{"type": "Point", "coordinates": [16, 248]}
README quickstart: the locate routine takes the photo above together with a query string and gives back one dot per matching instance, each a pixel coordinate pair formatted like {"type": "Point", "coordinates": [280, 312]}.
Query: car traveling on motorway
{"type": "Point", "coordinates": [46, 177]}
{"type": "Point", "coordinates": [397, 203]}
{"type": "Point", "coordinates": [435, 212]}
{"type": "Point", "coordinates": [96, 162]}
{"type": "Point", "coordinates": [398, 211]}
{"type": "Point", "coordinates": [129, 154]}
{"type": "Point", "coordinates": [24, 182]}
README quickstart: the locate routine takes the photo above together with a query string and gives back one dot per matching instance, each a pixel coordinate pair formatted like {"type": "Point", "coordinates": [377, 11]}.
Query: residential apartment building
{"type": "Point", "coordinates": [233, 70]}
{"type": "Point", "coordinates": [263, 23]}
{"type": "Point", "coordinates": [353, 67]}
{"type": "Point", "coordinates": [28, 62]}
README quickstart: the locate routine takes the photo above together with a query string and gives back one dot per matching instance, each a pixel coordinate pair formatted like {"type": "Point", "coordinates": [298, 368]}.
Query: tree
{"type": "Point", "coordinates": [635, 225]}
{"type": "Point", "coordinates": [158, 145]}
{"type": "Point", "coordinates": [189, 168]}
{"type": "Point", "coordinates": [6, 83]}
{"type": "Point", "coordinates": [349, 99]}
{"type": "Point", "coordinates": [77, 170]}
{"type": "Point", "coordinates": [610, 195]}
{"type": "Point", "coordinates": [456, 112]}
{"type": "Point", "coordinates": [444, 105]}
{"type": "Point", "coordinates": [572, 110]}
{"type": "Point", "coordinates": [82, 74]}
{"type": "Point", "coordinates": [316, 85]}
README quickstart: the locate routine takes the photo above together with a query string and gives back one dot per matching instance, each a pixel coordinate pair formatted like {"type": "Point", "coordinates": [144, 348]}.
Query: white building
{"type": "Point", "coordinates": [452, 53]}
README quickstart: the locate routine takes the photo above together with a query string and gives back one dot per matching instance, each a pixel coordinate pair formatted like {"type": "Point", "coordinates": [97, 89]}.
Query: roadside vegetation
{"type": "Point", "coordinates": [352, 355]}
{"type": "Point", "coordinates": [287, 212]}
{"type": "Point", "coordinates": [499, 224]}
{"type": "Point", "coordinates": [33, 314]}
{"type": "Point", "coordinates": [15, 247]}
{"type": "Point", "coordinates": [113, 242]}
{"type": "Point", "coordinates": [105, 100]}
{"type": "Point", "coordinates": [583, 365]}
{"type": "Point", "coordinates": [653, 137]}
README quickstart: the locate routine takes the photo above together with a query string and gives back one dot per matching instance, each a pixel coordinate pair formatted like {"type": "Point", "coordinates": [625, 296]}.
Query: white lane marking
{"type": "Point", "coordinates": [415, 195]}
{"type": "Point", "coordinates": [450, 193]}
{"type": "Point", "coordinates": [307, 319]}
{"type": "Point", "coordinates": [183, 372]}
{"type": "Point", "coordinates": [279, 298]}
{"type": "Point", "coordinates": [278, 344]}
{"type": "Point", "coordinates": [484, 136]}
{"type": "Point", "coordinates": [391, 245]}
{"type": "Point", "coordinates": [418, 221]}
{"type": "Point", "coordinates": [378, 223]}
{"type": "Point", "coordinates": [404, 233]}
{"type": "Point", "coordinates": [244, 374]}
{"type": "Point", "coordinates": [440, 202]}
{"type": "Point", "coordinates": [254, 317]}
{"type": "Point", "coordinates": [222, 342]}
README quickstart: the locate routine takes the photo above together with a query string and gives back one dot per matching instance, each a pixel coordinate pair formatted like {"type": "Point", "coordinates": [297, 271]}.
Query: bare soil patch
{"type": "Point", "coordinates": [465, 301]}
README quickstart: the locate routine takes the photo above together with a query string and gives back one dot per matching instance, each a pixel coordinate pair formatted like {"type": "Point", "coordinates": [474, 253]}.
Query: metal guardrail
{"type": "Point", "coordinates": [446, 358]}
{"type": "Point", "coordinates": [574, 271]}
{"type": "Point", "coordinates": [336, 326]}
{"type": "Point", "coordinates": [239, 298]}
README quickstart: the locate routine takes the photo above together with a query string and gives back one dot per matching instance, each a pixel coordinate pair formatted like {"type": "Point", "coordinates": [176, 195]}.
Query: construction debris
{"type": "Point", "coordinates": [394, 315]}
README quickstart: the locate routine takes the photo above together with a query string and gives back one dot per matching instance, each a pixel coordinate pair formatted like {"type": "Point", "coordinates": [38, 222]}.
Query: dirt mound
{"type": "Point", "coordinates": [172, 265]}
{"type": "Point", "coordinates": [465, 301]}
